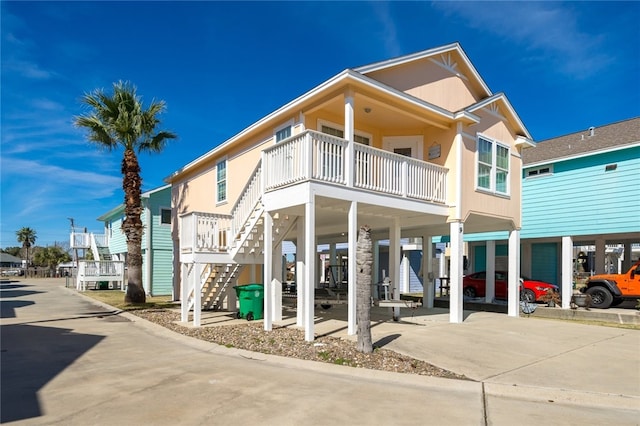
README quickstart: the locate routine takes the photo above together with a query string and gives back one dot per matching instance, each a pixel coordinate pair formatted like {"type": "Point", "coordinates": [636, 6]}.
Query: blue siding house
{"type": "Point", "coordinates": [580, 207]}
{"type": "Point", "coordinates": [157, 246]}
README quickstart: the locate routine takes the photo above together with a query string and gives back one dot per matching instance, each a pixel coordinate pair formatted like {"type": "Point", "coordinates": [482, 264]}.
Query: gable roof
{"type": "Point", "coordinates": [8, 258]}
{"type": "Point", "coordinates": [393, 62]}
{"type": "Point", "coordinates": [501, 98]}
{"type": "Point", "coordinates": [585, 142]}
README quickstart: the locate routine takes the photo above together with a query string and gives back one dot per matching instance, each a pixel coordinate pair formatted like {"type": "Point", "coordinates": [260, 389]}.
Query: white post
{"type": "Point", "coordinates": [300, 271]}
{"type": "Point", "coordinates": [309, 271]}
{"type": "Point", "coordinates": [490, 268]}
{"type": "Point", "coordinates": [513, 285]}
{"type": "Point", "coordinates": [394, 263]}
{"type": "Point", "coordinates": [404, 265]}
{"type": "Point", "coordinates": [348, 135]}
{"type": "Point", "coordinates": [147, 254]}
{"type": "Point", "coordinates": [428, 286]}
{"type": "Point", "coordinates": [184, 298]}
{"type": "Point", "coordinates": [376, 265]}
{"type": "Point", "coordinates": [567, 272]}
{"type": "Point", "coordinates": [268, 270]}
{"type": "Point", "coordinates": [276, 284]}
{"type": "Point", "coordinates": [197, 295]}
{"type": "Point", "coordinates": [601, 248]}
{"type": "Point", "coordinates": [352, 269]}
{"type": "Point", "coordinates": [456, 307]}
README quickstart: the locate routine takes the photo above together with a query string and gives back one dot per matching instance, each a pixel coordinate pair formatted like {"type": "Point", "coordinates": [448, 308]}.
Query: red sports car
{"type": "Point", "coordinates": [474, 285]}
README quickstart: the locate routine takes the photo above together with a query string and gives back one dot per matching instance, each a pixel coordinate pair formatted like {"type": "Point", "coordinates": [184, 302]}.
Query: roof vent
{"type": "Point", "coordinates": [592, 131]}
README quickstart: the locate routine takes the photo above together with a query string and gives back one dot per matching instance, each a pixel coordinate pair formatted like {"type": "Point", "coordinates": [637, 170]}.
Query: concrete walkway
{"type": "Point", "coordinates": [68, 360]}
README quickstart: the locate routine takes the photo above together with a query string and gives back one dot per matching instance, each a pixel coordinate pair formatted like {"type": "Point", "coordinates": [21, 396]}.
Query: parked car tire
{"type": "Point", "coordinates": [601, 298]}
{"type": "Point", "coordinates": [469, 292]}
{"type": "Point", "coordinates": [528, 296]}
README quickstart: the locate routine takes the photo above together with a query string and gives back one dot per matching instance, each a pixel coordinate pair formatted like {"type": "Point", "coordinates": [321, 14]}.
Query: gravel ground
{"type": "Point", "coordinates": [290, 342]}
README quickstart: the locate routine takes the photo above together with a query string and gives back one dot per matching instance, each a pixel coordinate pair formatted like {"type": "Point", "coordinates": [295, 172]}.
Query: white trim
{"type": "Point", "coordinates": [500, 97]}
{"type": "Point", "coordinates": [449, 65]}
{"type": "Point", "coordinates": [494, 157]}
{"type": "Point", "coordinates": [226, 181]}
{"type": "Point", "coordinates": [549, 172]}
{"type": "Point", "coordinates": [288, 123]}
{"type": "Point", "coordinates": [160, 209]}
{"type": "Point", "coordinates": [412, 141]}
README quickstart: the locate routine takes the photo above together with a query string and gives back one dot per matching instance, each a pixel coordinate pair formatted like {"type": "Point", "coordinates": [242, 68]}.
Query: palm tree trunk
{"type": "Point", "coordinates": [132, 226]}
{"type": "Point", "coordinates": [364, 260]}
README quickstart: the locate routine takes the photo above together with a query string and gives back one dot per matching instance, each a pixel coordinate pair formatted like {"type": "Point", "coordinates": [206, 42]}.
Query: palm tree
{"type": "Point", "coordinates": [27, 237]}
{"type": "Point", "coordinates": [119, 121]}
{"type": "Point", "coordinates": [364, 261]}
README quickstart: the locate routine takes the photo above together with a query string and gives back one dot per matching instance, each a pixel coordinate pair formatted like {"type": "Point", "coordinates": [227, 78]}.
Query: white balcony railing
{"type": "Point", "coordinates": [96, 271]}
{"type": "Point", "coordinates": [313, 156]}
{"type": "Point", "coordinates": [82, 240]}
{"type": "Point", "coordinates": [317, 156]}
{"type": "Point", "coordinates": [204, 232]}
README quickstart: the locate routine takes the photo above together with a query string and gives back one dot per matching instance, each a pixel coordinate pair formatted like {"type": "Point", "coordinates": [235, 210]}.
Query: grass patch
{"type": "Point", "coordinates": [115, 298]}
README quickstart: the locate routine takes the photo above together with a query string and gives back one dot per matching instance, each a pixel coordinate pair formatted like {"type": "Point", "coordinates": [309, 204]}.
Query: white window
{"type": "Point", "coordinates": [338, 131]}
{"type": "Point", "coordinates": [539, 171]}
{"type": "Point", "coordinates": [493, 166]}
{"type": "Point", "coordinates": [283, 133]}
{"type": "Point", "coordinates": [221, 177]}
{"type": "Point", "coordinates": [165, 216]}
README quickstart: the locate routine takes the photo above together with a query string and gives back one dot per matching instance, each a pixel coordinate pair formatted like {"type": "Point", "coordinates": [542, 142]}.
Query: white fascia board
{"type": "Point", "coordinates": [425, 54]}
{"type": "Point", "coordinates": [326, 86]}
{"type": "Point", "coordinates": [466, 116]}
{"type": "Point", "coordinates": [111, 212]}
{"type": "Point", "coordinates": [147, 194]}
{"type": "Point", "coordinates": [581, 155]}
{"type": "Point", "coordinates": [525, 142]}
{"type": "Point", "coordinates": [500, 97]}
{"type": "Point", "coordinates": [280, 111]}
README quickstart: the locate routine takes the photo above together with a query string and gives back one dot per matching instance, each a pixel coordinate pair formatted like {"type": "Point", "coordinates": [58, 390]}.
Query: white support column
{"type": "Point", "coordinates": [276, 284]}
{"type": "Point", "coordinates": [405, 285]}
{"type": "Point", "coordinates": [566, 285]}
{"type": "Point", "coordinates": [197, 295]}
{"type": "Point", "coordinates": [352, 270]}
{"type": "Point", "coordinates": [268, 270]}
{"type": "Point", "coordinates": [184, 297]}
{"type": "Point", "coordinates": [599, 260]}
{"type": "Point", "coordinates": [375, 275]}
{"type": "Point", "coordinates": [309, 270]}
{"type": "Point", "coordinates": [513, 284]}
{"type": "Point", "coordinates": [456, 306]}
{"type": "Point", "coordinates": [348, 135]}
{"type": "Point", "coordinates": [300, 271]}
{"type": "Point", "coordinates": [428, 286]}
{"type": "Point", "coordinates": [490, 267]}
{"type": "Point", "coordinates": [394, 264]}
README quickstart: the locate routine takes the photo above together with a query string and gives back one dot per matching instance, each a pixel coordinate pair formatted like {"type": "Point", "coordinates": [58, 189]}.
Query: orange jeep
{"type": "Point", "coordinates": [612, 289]}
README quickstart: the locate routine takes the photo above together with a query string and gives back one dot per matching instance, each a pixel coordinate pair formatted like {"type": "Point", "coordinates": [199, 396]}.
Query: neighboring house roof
{"type": "Point", "coordinates": [120, 207]}
{"type": "Point", "coordinates": [7, 258]}
{"type": "Point", "coordinates": [622, 134]}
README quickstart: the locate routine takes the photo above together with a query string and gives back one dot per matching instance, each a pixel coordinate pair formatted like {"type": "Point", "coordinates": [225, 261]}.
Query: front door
{"type": "Point", "coordinates": [409, 146]}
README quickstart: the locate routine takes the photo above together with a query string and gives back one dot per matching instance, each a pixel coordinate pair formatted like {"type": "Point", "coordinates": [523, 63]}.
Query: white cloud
{"type": "Point", "coordinates": [389, 34]}
{"type": "Point", "coordinates": [546, 31]}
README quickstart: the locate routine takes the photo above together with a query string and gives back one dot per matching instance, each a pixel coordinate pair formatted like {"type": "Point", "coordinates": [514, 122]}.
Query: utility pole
{"type": "Point", "coordinates": [74, 266]}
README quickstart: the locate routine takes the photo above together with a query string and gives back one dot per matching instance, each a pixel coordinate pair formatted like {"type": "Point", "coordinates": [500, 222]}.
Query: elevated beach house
{"type": "Point", "coordinates": [414, 147]}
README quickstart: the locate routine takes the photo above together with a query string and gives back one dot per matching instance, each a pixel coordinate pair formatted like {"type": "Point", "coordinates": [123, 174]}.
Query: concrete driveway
{"type": "Point", "coordinates": [66, 360]}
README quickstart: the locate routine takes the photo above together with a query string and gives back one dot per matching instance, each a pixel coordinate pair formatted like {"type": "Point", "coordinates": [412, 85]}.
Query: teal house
{"type": "Point", "coordinates": [157, 247]}
{"type": "Point", "coordinates": [580, 208]}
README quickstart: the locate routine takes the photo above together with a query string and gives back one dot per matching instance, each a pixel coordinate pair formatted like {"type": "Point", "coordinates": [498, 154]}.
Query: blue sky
{"type": "Point", "coordinates": [564, 67]}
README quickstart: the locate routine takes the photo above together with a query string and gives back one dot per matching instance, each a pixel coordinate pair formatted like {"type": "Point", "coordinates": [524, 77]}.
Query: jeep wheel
{"type": "Point", "coordinates": [600, 297]}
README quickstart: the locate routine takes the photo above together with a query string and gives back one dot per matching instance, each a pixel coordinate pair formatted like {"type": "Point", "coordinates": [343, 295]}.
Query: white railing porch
{"type": "Point", "coordinates": [317, 156]}
{"type": "Point", "coordinates": [96, 271]}
{"type": "Point", "coordinates": [320, 157]}
{"type": "Point", "coordinates": [82, 240]}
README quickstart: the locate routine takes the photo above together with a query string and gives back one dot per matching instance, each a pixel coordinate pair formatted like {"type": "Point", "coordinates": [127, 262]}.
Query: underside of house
{"type": "Point", "coordinates": [414, 147]}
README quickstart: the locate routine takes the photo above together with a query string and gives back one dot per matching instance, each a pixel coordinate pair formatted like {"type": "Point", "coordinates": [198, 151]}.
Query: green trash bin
{"type": "Point", "coordinates": [251, 301]}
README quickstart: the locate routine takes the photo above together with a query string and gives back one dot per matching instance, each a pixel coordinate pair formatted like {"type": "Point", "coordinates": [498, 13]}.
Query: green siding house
{"type": "Point", "coordinates": [157, 248]}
